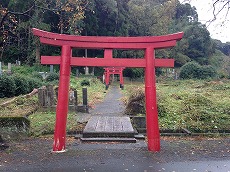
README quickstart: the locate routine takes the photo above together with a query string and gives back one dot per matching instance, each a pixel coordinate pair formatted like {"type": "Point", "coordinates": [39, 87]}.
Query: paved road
{"type": "Point", "coordinates": [34, 154]}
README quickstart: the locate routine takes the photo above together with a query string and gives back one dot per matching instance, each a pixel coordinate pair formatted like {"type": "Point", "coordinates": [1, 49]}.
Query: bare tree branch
{"type": "Point", "coordinates": [215, 11]}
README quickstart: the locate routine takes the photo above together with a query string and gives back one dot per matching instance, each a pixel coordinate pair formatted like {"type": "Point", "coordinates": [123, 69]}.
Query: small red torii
{"type": "Point", "coordinates": [113, 70]}
{"type": "Point", "coordinates": [147, 43]}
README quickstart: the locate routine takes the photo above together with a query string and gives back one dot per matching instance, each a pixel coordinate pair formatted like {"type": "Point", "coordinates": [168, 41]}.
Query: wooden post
{"type": "Point", "coordinates": [85, 101]}
{"type": "Point", "coordinates": [75, 100]}
{"type": "Point", "coordinates": [84, 96]}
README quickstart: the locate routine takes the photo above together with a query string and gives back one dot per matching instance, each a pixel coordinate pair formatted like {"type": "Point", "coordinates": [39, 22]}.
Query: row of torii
{"type": "Point", "coordinates": [111, 71]}
{"type": "Point", "coordinates": [147, 43]}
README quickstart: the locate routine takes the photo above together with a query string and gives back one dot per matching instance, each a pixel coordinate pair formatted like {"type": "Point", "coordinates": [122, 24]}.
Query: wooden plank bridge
{"type": "Point", "coordinates": [109, 128]}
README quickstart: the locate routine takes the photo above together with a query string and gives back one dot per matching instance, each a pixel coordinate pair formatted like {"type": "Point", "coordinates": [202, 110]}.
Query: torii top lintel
{"type": "Point", "coordinates": [102, 42]}
{"type": "Point", "coordinates": [108, 44]}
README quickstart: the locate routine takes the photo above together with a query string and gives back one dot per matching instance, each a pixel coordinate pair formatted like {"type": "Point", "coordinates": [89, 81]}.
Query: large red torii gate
{"type": "Point", "coordinates": [149, 62]}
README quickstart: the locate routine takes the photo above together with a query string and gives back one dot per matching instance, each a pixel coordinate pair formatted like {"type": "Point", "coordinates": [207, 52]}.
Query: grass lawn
{"type": "Point", "coordinates": [197, 105]}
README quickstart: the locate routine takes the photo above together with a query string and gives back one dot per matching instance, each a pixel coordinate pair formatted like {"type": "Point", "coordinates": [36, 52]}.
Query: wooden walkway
{"type": "Point", "coordinates": [109, 128]}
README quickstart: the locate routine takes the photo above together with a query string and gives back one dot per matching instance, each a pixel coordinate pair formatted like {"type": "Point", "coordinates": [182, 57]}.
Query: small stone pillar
{"type": "Point", "coordinates": [84, 107]}
{"type": "Point", "coordinates": [0, 68]}
{"type": "Point", "coordinates": [51, 68]}
{"type": "Point", "coordinates": [9, 68]}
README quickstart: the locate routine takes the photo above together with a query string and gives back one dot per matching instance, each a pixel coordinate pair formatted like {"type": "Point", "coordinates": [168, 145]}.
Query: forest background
{"type": "Point", "coordinates": [109, 18]}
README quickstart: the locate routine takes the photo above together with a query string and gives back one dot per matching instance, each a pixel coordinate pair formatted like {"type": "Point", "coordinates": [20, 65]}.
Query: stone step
{"type": "Point", "coordinates": [108, 134]}
{"type": "Point", "coordinates": [109, 139]}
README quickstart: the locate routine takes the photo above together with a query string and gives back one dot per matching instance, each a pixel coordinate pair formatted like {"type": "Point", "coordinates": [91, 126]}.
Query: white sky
{"type": "Point", "coordinates": [220, 28]}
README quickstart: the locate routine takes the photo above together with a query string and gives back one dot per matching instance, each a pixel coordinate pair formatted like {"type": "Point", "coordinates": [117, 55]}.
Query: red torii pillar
{"type": "Point", "coordinates": [114, 70]}
{"type": "Point", "coordinates": [67, 42]}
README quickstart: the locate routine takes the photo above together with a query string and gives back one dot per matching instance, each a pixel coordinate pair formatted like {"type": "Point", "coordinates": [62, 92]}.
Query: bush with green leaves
{"type": "Point", "coordinates": [207, 72]}
{"type": "Point", "coordinates": [28, 70]}
{"type": "Point", "coordinates": [22, 85]}
{"type": "Point", "coordinates": [190, 70]}
{"type": "Point", "coordinates": [52, 77]}
{"type": "Point", "coordinates": [7, 86]}
{"type": "Point", "coordinates": [37, 75]}
{"type": "Point", "coordinates": [34, 83]}
{"type": "Point", "coordinates": [193, 70]}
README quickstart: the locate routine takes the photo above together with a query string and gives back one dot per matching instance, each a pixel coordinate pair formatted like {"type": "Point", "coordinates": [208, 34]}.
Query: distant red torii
{"type": "Point", "coordinates": [114, 70]}
{"type": "Point", "coordinates": [146, 43]}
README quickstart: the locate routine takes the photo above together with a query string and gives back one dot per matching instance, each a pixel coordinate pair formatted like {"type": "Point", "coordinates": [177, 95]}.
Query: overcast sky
{"type": "Point", "coordinates": [220, 28]}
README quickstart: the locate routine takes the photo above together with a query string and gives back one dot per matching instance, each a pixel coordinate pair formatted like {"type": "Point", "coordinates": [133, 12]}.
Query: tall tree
{"type": "Point", "coordinates": [18, 17]}
{"type": "Point", "coordinates": [196, 43]}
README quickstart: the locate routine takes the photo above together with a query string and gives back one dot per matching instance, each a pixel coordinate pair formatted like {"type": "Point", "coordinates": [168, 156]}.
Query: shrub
{"type": "Point", "coordinates": [193, 70]}
{"type": "Point", "coordinates": [37, 75]}
{"type": "Point", "coordinates": [190, 70]}
{"type": "Point", "coordinates": [136, 102]}
{"type": "Point", "coordinates": [207, 72]}
{"type": "Point", "coordinates": [85, 82]}
{"type": "Point", "coordinates": [52, 77]}
{"type": "Point", "coordinates": [22, 85]}
{"type": "Point", "coordinates": [7, 86]}
{"type": "Point", "coordinates": [34, 83]}
{"type": "Point", "coordinates": [22, 70]}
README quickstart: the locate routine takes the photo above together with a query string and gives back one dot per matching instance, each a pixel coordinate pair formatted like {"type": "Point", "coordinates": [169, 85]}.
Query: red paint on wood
{"type": "Point", "coordinates": [112, 70]}
{"type": "Point", "coordinates": [102, 45]}
{"type": "Point", "coordinates": [107, 39]}
{"type": "Point", "coordinates": [116, 62]}
{"type": "Point", "coordinates": [153, 133]}
{"type": "Point", "coordinates": [63, 99]}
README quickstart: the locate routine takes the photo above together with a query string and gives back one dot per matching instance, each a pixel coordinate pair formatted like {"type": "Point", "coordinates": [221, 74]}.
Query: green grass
{"type": "Point", "coordinates": [96, 90]}
{"type": "Point", "coordinates": [197, 105]}
{"type": "Point", "coordinates": [42, 123]}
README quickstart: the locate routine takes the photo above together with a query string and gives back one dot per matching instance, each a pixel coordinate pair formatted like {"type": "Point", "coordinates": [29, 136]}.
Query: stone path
{"type": "Point", "coordinates": [112, 104]}
{"type": "Point", "coordinates": [108, 122]}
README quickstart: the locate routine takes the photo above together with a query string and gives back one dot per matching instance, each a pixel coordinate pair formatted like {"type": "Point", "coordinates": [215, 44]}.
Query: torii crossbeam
{"type": "Point", "coordinates": [149, 62]}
